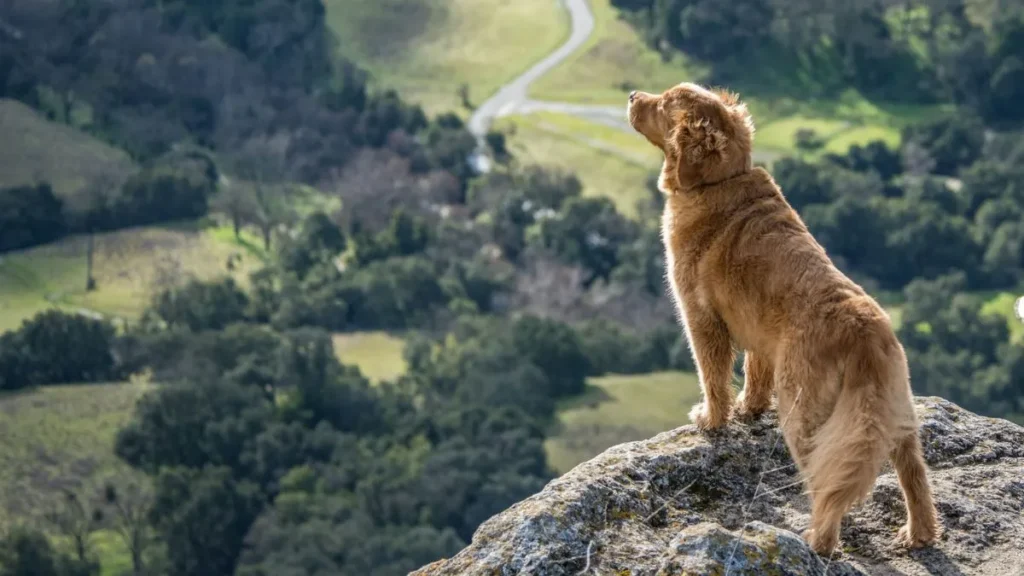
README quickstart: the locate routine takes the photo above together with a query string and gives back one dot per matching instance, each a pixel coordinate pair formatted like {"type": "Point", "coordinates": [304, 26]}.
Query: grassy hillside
{"type": "Point", "coordinates": [617, 409]}
{"type": "Point", "coordinates": [59, 437]}
{"type": "Point", "coordinates": [33, 148]}
{"type": "Point", "coordinates": [427, 50]}
{"type": "Point", "coordinates": [607, 161]}
{"type": "Point", "coordinates": [614, 61]}
{"type": "Point", "coordinates": [128, 266]}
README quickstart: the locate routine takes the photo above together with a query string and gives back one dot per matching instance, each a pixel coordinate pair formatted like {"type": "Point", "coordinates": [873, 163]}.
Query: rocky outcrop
{"type": "Point", "coordinates": [730, 503]}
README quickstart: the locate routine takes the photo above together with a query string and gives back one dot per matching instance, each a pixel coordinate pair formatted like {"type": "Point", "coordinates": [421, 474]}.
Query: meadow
{"type": "Point", "coordinates": [617, 409]}
{"type": "Point", "coordinates": [52, 152]}
{"type": "Point", "coordinates": [59, 438]}
{"type": "Point", "coordinates": [128, 266]}
{"type": "Point", "coordinates": [608, 162]}
{"type": "Point", "coordinates": [428, 50]}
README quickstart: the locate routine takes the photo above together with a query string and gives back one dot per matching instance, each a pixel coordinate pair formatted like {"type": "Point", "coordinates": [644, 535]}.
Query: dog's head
{"type": "Point", "coordinates": [706, 135]}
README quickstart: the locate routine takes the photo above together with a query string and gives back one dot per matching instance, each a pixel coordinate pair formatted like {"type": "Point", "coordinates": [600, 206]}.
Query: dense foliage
{"type": "Point", "coordinates": [29, 215]}
{"type": "Point", "coordinates": [257, 85]}
{"type": "Point", "coordinates": [57, 348]}
{"type": "Point", "coordinates": [891, 228]}
{"type": "Point", "coordinates": [917, 51]}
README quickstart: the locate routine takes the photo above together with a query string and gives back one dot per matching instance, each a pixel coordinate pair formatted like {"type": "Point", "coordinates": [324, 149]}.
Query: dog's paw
{"type": "Point", "coordinates": [745, 412]}
{"type": "Point", "coordinates": [916, 537]}
{"type": "Point", "coordinates": [705, 419]}
{"type": "Point", "coordinates": [821, 544]}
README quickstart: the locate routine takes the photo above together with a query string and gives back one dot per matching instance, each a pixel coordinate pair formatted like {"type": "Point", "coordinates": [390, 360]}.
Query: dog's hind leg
{"type": "Point", "coordinates": [804, 392]}
{"type": "Point", "coordinates": [922, 525]}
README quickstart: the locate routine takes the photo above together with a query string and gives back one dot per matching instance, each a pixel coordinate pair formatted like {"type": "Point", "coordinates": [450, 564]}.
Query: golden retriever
{"type": "Point", "coordinates": [745, 271]}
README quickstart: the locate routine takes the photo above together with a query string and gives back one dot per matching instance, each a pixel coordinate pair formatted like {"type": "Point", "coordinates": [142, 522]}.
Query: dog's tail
{"type": "Point", "coordinates": [851, 447]}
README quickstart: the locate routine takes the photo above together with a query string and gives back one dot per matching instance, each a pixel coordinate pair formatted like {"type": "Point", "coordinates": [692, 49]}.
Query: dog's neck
{"type": "Point", "coordinates": [694, 180]}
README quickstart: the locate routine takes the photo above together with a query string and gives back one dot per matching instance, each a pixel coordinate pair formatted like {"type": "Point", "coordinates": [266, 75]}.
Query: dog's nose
{"type": "Point", "coordinates": [632, 95]}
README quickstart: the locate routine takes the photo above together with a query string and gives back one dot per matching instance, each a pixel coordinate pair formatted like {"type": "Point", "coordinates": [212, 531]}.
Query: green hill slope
{"type": "Point", "coordinates": [129, 265]}
{"type": "Point", "coordinates": [33, 148]}
{"type": "Point", "coordinates": [427, 50]}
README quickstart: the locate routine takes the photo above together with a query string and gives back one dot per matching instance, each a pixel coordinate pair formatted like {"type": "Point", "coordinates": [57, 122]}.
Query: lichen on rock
{"type": "Point", "coordinates": [730, 503]}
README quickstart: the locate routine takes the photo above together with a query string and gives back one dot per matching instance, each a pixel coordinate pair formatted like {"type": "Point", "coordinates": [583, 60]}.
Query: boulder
{"type": "Point", "coordinates": [730, 503]}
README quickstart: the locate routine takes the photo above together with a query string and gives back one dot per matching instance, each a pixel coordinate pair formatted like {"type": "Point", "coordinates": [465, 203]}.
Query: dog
{"type": "Point", "coordinates": [746, 274]}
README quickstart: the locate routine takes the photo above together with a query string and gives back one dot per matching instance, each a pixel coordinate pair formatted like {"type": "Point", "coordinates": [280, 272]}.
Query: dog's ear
{"type": "Point", "coordinates": [697, 139]}
{"type": "Point", "coordinates": [737, 116]}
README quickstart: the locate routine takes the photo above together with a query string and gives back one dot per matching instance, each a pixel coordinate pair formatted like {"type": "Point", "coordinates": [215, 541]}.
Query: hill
{"type": "Point", "coordinates": [617, 409]}
{"type": "Point", "coordinates": [65, 157]}
{"type": "Point", "coordinates": [427, 50]}
{"type": "Point", "coordinates": [128, 265]}
{"type": "Point", "coordinates": [59, 437]}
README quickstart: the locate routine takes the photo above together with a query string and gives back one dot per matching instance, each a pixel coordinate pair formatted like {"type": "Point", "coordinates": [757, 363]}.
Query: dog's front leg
{"type": "Point", "coordinates": [713, 354]}
{"type": "Point", "coordinates": [758, 384]}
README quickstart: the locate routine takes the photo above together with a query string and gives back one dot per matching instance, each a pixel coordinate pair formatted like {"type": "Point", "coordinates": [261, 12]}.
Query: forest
{"type": "Point", "coordinates": [258, 451]}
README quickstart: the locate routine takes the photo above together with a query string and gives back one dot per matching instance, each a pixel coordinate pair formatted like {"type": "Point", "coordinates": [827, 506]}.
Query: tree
{"type": "Point", "coordinates": [128, 504]}
{"type": "Point", "coordinates": [194, 425]}
{"type": "Point", "coordinates": [24, 552]}
{"type": "Point", "coordinates": [202, 305]}
{"type": "Point", "coordinates": [588, 232]}
{"type": "Point", "coordinates": [54, 347]}
{"type": "Point", "coordinates": [318, 241]}
{"type": "Point", "coordinates": [29, 215]}
{"type": "Point", "coordinates": [556, 350]}
{"type": "Point", "coordinates": [261, 163]}
{"type": "Point", "coordinates": [237, 201]}
{"type": "Point", "coordinates": [76, 521]}
{"type": "Point", "coordinates": [464, 96]}
{"type": "Point", "coordinates": [953, 143]}
{"type": "Point", "coordinates": [203, 517]}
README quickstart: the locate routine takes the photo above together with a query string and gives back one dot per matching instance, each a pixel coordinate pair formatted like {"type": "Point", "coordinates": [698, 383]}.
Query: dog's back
{"type": "Point", "coordinates": [751, 258]}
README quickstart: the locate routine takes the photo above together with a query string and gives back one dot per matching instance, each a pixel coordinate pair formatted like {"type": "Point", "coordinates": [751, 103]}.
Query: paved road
{"type": "Point", "coordinates": [512, 97]}
{"type": "Point", "coordinates": [513, 94]}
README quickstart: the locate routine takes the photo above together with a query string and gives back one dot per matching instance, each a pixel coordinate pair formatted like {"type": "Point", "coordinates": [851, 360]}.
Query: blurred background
{"type": "Point", "coordinates": [305, 287]}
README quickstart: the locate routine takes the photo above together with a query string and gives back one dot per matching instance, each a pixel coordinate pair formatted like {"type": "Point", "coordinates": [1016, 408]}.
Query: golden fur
{"type": "Point", "coordinates": [745, 271]}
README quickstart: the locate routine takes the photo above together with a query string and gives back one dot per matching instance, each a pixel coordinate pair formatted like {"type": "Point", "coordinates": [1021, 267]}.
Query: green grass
{"type": "Point", "coordinates": [614, 61]}
{"type": "Point", "coordinates": [129, 265]}
{"type": "Point", "coordinates": [617, 172]}
{"type": "Point", "coordinates": [377, 354]}
{"type": "Point", "coordinates": [34, 149]}
{"type": "Point", "coordinates": [617, 409]}
{"type": "Point", "coordinates": [426, 50]}
{"type": "Point", "coordinates": [628, 144]}
{"type": "Point", "coordinates": [56, 438]}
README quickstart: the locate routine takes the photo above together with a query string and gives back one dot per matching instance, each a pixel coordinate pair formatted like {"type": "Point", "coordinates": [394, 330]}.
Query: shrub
{"type": "Point", "coordinates": [57, 348]}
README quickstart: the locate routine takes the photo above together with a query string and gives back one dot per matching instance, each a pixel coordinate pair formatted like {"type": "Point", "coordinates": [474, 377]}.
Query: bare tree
{"type": "Point", "coordinates": [372, 185]}
{"type": "Point", "coordinates": [917, 161]}
{"type": "Point", "coordinates": [236, 200]}
{"type": "Point", "coordinates": [90, 204]}
{"type": "Point", "coordinates": [550, 289]}
{"type": "Point", "coordinates": [128, 506]}
{"type": "Point", "coordinates": [76, 521]}
{"type": "Point", "coordinates": [261, 165]}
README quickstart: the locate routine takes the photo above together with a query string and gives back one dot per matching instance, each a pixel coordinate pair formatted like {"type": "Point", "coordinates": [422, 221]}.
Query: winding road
{"type": "Point", "coordinates": [512, 98]}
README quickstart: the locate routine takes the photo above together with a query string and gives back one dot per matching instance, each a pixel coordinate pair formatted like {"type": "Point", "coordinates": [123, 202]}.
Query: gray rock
{"type": "Point", "coordinates": [730, 503]}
